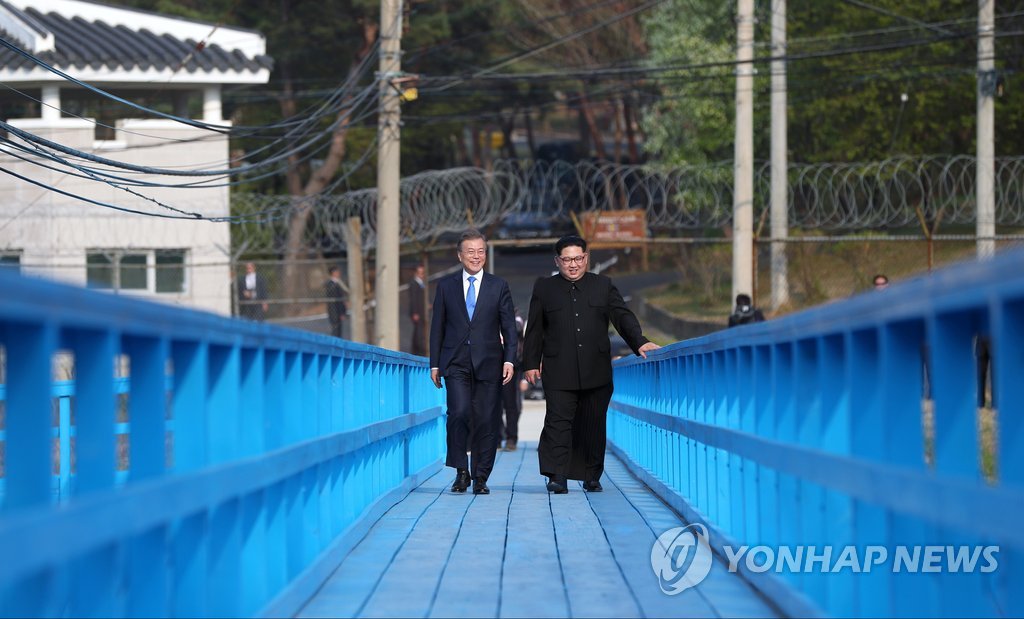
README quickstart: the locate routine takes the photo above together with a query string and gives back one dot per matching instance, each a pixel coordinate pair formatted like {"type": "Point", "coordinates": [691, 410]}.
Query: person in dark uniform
{"type": "Point", "coordinates": [417, 311]}
{"type": "Point", "coordinates": [471, 308]}
{"type": "Point", "coordinates": [506, 415]}
{"type": "Point", "coordinates": [567, 346]}
{"type": "Point", "coordinates": [335, 294]}
{"type": "Point", "coordinates": [745, 312]}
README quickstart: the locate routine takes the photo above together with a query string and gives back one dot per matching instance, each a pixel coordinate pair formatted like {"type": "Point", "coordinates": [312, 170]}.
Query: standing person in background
{"type": "Point", "coordinates": [880, 282]}
{"type": "Point", "coordinates": [745, 312]}
{"type": "Point", "coordinates": [252, 294]}
{"type": "Point", "coordinates": [567, 345]}
{"type": "Point", "coordinates": [417, 311]}
{"type": "Point", "coordinates": [473, 315]}
{"type": "Point", "coordinates": [334, 291]}
{"type": "Point", "coordinates": [511, 402]}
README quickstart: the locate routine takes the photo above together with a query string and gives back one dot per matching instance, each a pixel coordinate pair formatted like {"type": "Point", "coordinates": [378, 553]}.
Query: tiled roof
{"type": "Point", "coordinates": [81, 44]}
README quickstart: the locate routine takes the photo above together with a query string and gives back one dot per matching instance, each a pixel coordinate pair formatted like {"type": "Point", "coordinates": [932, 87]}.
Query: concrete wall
{"type": "Point", "coordinates": [54, 231]}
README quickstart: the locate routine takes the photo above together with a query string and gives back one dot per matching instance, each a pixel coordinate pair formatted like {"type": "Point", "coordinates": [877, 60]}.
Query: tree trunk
{"type": "Point", "coordinates": [630, 118]}
{"type": "Point", "coordinates": [595, 133]}
{"type": "Point", "coordinates": [304, 196]}
{"type": "Point", "coordinates": [474, 145]}
{"type": "Point", "coordinates": [617, 109]}
{"type": "Point", "coordinates": [528, 121]}
{"type": "Point", "coordinates": [508, 124]}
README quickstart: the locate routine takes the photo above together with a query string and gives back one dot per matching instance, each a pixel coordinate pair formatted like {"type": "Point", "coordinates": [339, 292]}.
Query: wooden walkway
{"type": "Point", "coordinates": [520, 552]}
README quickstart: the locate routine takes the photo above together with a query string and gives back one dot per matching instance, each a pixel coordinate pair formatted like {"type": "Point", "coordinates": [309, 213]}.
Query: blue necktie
{"type": "Point", "coordinates": [471, 298]}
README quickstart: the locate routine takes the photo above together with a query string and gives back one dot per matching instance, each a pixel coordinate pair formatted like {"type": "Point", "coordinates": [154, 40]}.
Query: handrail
{"type": "Point", "coordinates": [855, 424]}
{"type": "Point", "coordinates": [251, 457]}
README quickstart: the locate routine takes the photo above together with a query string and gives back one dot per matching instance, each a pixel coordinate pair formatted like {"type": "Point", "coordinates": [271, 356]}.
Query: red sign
{"type": "Point", "coordinates": [628, 226]}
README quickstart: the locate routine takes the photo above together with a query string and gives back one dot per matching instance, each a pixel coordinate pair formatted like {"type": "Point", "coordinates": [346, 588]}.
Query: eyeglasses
{"type": "Point", "coordinates": [567, 260]}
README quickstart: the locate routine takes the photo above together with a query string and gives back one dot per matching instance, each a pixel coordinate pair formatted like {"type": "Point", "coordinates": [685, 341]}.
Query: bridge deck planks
{"type": "Point", "coordinates": [521, 552]}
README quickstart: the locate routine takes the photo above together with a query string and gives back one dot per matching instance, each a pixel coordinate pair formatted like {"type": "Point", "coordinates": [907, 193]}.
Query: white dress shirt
{"type": "Point", "coordinates": [476, 284]}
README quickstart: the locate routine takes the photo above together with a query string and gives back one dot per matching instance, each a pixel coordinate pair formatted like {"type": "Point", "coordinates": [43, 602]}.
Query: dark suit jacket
{"type": "Point", "coordinates": [416, 299]}
{"type": "Point", "coordinates": [335, 301]}
{"type": "Point", "coordinates": [571, 337]}
{"type": "Point", "coordinates": [451, 327]}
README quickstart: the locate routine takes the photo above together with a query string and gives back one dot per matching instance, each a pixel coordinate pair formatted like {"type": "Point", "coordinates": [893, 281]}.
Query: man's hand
{"type": "Point", "coordinates": [532, 376]}
{"type": "Point", "coordinates": [507, 370]}
{"type": "Point", "coordinates": [415, 317]}
{"type": "Point", "coordinates": [646, 348]}
{"type": "Point", "coordinates": [435, 376]}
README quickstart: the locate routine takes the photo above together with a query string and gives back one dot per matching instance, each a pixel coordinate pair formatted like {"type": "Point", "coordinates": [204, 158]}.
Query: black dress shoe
{"type": "Point", "coordinates": [592, 486]}
{"type": "Point", "coordinates": [557, 485]}
{"type": "Point", "coordinates": [480, 486]}
{"type": "Point", "coordinates": [510, 445]}
{"type": "Point", "coordinates": [461, 481]}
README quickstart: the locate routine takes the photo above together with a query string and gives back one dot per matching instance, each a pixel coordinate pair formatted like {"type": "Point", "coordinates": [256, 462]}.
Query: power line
{"type": "Point", "coordinates": [555, 43]}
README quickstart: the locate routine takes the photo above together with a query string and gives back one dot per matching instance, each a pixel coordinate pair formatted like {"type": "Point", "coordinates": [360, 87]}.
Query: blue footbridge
{"type": "Point", "coordinates": [849, 460]}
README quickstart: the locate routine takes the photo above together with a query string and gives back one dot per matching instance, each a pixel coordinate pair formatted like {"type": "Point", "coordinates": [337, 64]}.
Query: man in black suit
{"type": "Point", "coordinates": [417, 311]}
{"type": "Point", "coordinates": [335, 293]}
{"type": "Point", "coordinates": [471, 308]}
{"type": "Point", "coordinates": [567, 347]}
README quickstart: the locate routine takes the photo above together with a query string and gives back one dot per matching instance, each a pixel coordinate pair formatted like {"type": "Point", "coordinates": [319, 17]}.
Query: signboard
{"type": "Point", "coordinates": [614, 227]}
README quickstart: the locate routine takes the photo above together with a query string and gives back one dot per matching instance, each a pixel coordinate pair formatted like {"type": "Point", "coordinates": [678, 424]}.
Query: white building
{"type": "Point", "coordinates": [140, 56]}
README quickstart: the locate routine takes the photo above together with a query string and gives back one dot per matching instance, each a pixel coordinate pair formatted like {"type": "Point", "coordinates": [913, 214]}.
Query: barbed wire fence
{"type": "Point", "coordinates": [894, 193]}
{"type": "Point", "coordinates": [848, 221]}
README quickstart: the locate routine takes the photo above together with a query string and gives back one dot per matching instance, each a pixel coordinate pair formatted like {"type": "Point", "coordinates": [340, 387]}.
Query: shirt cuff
{"type": "Point", "coordinates": [510, 363]}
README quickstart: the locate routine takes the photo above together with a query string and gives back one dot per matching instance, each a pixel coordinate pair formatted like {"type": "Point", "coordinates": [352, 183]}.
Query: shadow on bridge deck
{"type": "Point", "coordinates": [520, 553]}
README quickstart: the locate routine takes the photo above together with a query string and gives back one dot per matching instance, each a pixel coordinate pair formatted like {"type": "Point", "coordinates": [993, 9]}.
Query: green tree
{"type": "Point", "coordinates": [844, 104]}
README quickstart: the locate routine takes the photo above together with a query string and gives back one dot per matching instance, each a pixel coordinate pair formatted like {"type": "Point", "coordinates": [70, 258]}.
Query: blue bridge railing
{"type": "Point", "coordinates": [860, 427]}
{"type": "Point", "coordinates": [194, 465]}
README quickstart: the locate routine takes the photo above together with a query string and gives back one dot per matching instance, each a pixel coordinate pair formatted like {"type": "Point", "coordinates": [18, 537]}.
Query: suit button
{"type": "Point", "coordinates": [580, 345]}
{"type": "Point", "coordinates": [577, 330]}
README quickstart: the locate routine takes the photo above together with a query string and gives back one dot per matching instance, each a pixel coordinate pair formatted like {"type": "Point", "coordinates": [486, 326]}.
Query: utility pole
{"type": "Point", "coordinates": [780, 163]}
{"type": "Point", "coordinates": [743, 192]}
{"type": "Point", "coordinates": [986, 199]}
{"type": "Point", "coordinates": [356, 290]}
{"type": "Point", "coordinates": [388, 176]}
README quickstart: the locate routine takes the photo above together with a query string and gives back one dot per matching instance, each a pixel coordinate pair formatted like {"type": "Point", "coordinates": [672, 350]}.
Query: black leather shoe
{"type": "Point", "coordinates": [593, 486]}
{"type": "Point", "coordinates": [510, 445]}
{"type": "Point", "coordinates": [461, 481]}
{"type": "Point", "coordinates": [557, 485]}
{"type": "Point", "coordinates": [480, 486]}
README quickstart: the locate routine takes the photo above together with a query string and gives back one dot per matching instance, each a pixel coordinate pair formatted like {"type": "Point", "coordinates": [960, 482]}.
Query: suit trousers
{"type": "Point", "coordinates": [511, 404]}
{"type": "Point", "coordinates": [419, 340]}
{"type": "Point", "coordinates": [575, 433]}
{"type": "Point", "coordinates": [471, 406]}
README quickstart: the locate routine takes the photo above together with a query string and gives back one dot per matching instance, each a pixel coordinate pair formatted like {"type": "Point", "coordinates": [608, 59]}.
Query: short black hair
{"type": "Point", "coordinates": [743, 299]}
{"type": "Point", "coordinates": [334, 269]}
{"type": "Point", "coordinates": [471, 235]}
{"type": "Point", "coordinates": [571, 240]}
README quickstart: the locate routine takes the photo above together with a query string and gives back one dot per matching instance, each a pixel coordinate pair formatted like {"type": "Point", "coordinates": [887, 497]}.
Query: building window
{"type": "Point", "coordinates": [161, 270]}
{"type": "Point", "coordinates": [170, 270]}
{"type": "Point", "coordinates": [99, 271]}
{"type": "Point", "coordinates": [132, 269]}
{"type": "Point", "coordinates": [10, 260]}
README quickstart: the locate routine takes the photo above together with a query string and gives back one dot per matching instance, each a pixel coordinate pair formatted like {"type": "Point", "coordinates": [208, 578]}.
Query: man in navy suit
{"type": "Point", "coordinates": [471, 310]}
